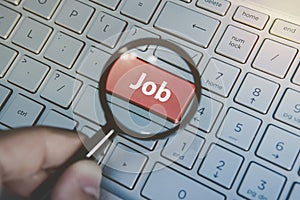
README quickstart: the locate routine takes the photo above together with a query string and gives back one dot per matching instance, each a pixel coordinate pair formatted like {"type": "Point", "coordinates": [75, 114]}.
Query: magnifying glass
{"type": "Point", "coordinates": [149, 89]}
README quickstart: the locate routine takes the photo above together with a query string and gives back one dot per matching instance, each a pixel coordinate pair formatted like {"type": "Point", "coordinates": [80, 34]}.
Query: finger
{"type": "Point", "coordinates": [23, 187]}
{"type": "Point", "coordinates": [26, 152]}
{"type": "Point", "coordinates": [81, 181]}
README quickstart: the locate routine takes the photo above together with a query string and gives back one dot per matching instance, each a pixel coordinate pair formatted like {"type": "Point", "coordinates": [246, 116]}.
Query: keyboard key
{"type": "Point", "coordinates": [93, 63]}
{"type": "Point", "coordinates": [148, 144]}
{"type": "Point", "coordinates": [183, 148]}
{"type": "Point", "coordinates": [257, 93]}
{"type": "Point", "coordinates": [138, 118]}
{"type": "Point", "coordinates": [61, 89]}
{"type": "Point", "coordinates": [279, 147]}
{"type": "Point", "coordinates": [28, 74]}
{"type": "Point", "coordinates": [128, 81]}
{"type": "Point", "coordinates": [43, 8]}
{"type": "Point", "coordinates": [88, 131]}
{"type": "Point", "coordinates": [8, 20]}
{"type": "Point", "coordinates": [296, 78]}
{"type": "Point", "coordinates": [111, 4]}
{"type": "Point", "coordinates": [89, 106]}
{"type": "Point", "coordinates": [22, 112]}
{"type": "Point", "coordinates": [251, 17]}
{"type": "Point", "coordinates": [286, 30]}
{"type": "Point", "coordinates": [104, 194]}
{"type": "Point", "coordinates": [139, 33]}
{"type": "Point", "coordinates": [141, 10]}
{"type": "Point", "coordinates": [261, 183]}
{"type": "Point", "coordinates": [219, 77]}
{"type": "Point", "coordinates": [170, 57]}
{"type": "Point", "coordinates": [64, 50]}
{"type": "Point", "coordinates": [55, 119]}
{"type": "Point", "coordinates": [274, 58]}
{"type": "Point", "coordinates": [289, 108]}
{"type": "Point", "coordinates": [32, 35]}
{"type": "Point", "coordinates": [7, 56]}
{"type": "Point", "coordinates": [221, 166]}
{"type": "Point", "coordinates": [165, 183]}
{"type": "Point", "coordinates": [124, 165]}
{"type": "Point", "coordinates": [295, 192]}
{"type": "Point", "coordinates": [239, 128]}
{"type": "Point", "coordinates": [74, 15]}
{"type": "Point", "coordinates": [219, 7]}
{"type": "Point", "coordinates": [196, 27]}
{"type": "Point", "coordinates": [107, 30]}
{"type": "Point", "coordinates": [14, 2]}
{"type": "Point", "coordinates": [236, 44]}
{"type": "Point", "coordinates": [207, 113]}
{"type": "Point", "coordinates": [4, 95]}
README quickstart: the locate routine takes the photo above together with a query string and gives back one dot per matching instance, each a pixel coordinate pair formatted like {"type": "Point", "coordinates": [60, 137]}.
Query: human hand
{"type": "Point", "coordinates": [27, 157]}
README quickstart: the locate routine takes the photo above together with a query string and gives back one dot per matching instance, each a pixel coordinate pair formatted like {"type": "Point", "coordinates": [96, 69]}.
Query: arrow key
{"type": "Point", "coordinates": [279, 147]}
{"type": "Point", "coordinates": [221, 165]}
{"type": "Point", "coordinates": [124, 165]}
{"type": "Point", "coordinates": [257, 93]}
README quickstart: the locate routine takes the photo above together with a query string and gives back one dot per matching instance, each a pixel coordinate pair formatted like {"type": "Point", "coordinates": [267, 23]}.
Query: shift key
{"type": "Point", "coordinates": [187, 24]}
{"type": "Point", "coordinates": [21, 112]}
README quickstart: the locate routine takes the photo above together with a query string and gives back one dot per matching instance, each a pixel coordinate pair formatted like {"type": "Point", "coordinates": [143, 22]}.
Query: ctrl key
{"type": "Point", "coordinates": [165, 183]}
{"type": "Point", "coordinates": [21, 112]}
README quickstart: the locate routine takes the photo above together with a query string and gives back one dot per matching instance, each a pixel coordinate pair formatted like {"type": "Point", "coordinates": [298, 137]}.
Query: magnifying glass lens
{"type": "Point", "coordinates": [148, 94]}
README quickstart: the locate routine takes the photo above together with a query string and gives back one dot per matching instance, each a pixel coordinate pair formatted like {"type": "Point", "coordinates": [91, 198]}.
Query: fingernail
{"type": "Point", "coordinates": [93, 192]}
{"type": "Point", "coordinates": [90, 178]}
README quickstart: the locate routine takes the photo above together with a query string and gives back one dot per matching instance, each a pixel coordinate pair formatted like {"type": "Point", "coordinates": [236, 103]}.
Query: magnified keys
{"type": "Point", "coordinates": [150, 87]}
{"type": "Point", "coordinates": [136, 86]}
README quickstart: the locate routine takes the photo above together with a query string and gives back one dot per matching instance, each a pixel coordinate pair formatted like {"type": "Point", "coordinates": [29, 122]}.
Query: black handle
{"type": "Point", "coordinates": [43, 192]}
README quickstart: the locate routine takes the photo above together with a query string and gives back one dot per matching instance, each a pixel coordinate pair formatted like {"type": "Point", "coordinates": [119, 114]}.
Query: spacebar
{"type": "Point", "coordinates": [165, 183]}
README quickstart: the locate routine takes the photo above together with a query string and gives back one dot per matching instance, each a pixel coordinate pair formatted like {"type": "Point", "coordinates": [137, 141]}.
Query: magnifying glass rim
{"type": "Point", "coordinates": [111, 121]}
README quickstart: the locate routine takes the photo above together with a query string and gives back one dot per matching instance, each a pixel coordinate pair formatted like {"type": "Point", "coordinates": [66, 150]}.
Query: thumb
{"type": "Point", "coordinates": [81, 181]}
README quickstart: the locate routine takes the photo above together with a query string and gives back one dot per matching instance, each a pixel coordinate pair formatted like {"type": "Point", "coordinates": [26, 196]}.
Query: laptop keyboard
{"type": "Point", "coordinates": [242, 143]}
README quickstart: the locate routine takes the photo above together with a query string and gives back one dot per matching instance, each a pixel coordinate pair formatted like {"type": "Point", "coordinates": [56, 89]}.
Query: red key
{"type": "Point", "coordinates": [150, 87]}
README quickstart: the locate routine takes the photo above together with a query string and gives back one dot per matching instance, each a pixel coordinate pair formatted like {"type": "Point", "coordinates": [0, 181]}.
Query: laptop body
{"type": "Point", "coordinates": [243, 142]}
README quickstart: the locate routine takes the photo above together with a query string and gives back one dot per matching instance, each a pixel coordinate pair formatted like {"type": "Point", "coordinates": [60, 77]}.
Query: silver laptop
{"type": "Point", "coordinates": [242, 143]}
